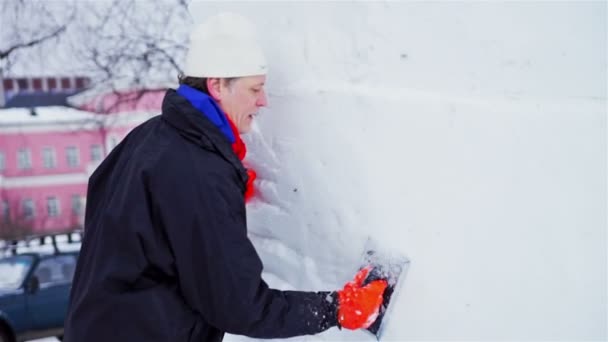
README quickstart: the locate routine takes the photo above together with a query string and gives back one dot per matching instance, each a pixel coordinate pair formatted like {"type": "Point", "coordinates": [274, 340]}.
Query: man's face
{"type": "Point", "coordinates": [240, 99]}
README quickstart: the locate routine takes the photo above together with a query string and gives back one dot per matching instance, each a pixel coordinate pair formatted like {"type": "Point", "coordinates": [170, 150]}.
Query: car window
{"type": "Point", "coordinates": [56, 269]}
{"type": "Point", "coordinates": [13, 270]}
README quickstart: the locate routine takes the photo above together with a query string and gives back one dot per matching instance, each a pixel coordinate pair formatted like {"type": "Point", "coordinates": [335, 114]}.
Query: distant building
{"type": "Point", "coordinates": [40, 91]}
{"type": "Point", "coordinates": [47, 153]}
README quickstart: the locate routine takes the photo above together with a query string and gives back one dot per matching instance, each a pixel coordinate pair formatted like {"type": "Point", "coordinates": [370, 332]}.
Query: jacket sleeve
{"type": "Point", "coordinates": [218, 268]}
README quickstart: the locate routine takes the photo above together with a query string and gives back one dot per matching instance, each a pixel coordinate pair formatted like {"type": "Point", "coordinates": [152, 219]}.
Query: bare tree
{"type": "Point", "coordinates": [19, 37]}
{"type": "Point", "coordinates": [120, 44]}
{"type": "Point", "coordinates": [129, 44]}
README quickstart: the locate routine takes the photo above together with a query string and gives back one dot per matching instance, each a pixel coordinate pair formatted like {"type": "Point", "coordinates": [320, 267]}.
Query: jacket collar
{"type": "Point", "coordinates": [179, 113]}
{"type": "Point", "coordinates": [209, 108]}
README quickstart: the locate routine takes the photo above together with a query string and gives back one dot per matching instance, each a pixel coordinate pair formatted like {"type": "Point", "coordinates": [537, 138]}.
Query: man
{"type": "Point", "coordinates": [165, 255]}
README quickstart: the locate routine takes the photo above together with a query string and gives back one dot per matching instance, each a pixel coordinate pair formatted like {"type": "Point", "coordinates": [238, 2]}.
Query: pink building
{"type": "Point", "coordinates": [48, 153]}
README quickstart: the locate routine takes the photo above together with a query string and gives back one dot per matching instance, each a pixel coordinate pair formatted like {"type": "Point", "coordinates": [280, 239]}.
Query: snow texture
{"type": "Point", "coordinates": [468, 136]}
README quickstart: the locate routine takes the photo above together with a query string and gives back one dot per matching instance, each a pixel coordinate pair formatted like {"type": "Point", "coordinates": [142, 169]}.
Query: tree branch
{"type": "Point", "coordinates": [4, 54]}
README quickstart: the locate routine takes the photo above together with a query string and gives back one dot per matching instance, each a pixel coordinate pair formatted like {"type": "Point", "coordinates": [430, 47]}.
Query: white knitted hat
{"type": "Point", "coordinates": [225, 46]}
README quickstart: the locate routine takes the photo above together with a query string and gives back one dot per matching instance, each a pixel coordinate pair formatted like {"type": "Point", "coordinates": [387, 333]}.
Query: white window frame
{"type": "Point", "coordinates": [24, 159]}
{"type": "Point", "coordinates": [73, 160]}
{"type": "Point", "coordinates": [53, 207]}
{"type": "Point", "coordinates": [6, 211]}
{"type": "Point", "coordinates": [2, 161]}
{"type": "Point", "coordinates": [96, 151]}
{"type": "Point", "coordinates": [77, 204]}
{"type": "Point", "coordinates": [49, 157]}
{"type": "Point", "coordinates": [33, 208]}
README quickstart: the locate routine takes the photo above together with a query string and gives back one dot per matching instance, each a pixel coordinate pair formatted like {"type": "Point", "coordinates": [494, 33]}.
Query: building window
{"type": "Point", "coordinates": [29, 210]}
{"type": "Point", "coordinates": [77, 205]}
{"type": "Point", "coordinates": [48, 158]}
{"type": "Point", "coordinates": [66, 83]}
{"type": "Point", "coordinates": [96, 153]}
{"type": "Point", "coordinates": [37, 84]}
{"type": "Point", "coordinates": [2, 161]}
{"type": "Point", "coordinates": [24, 159]}
{"type": "Point", "coordinates": [8, 84]}
{"type": "Point", "coordinates": [71, 153]}
{"type": "Point", "coordinates": [52, 206]}
{"type": "Point", "coordinates": [23, 84]}
{"type": "Point", "coordinates": [6, 211]}
{"type": "Point", "coordinates": [51, 83]}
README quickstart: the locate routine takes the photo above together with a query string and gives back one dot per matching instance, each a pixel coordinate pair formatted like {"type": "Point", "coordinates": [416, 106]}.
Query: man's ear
{"type": "Point", "coordinates": [213, 85]}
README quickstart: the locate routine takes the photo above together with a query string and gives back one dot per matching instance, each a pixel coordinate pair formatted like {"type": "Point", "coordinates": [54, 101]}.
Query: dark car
{"type": "Point", "coordinates": [34, 292]}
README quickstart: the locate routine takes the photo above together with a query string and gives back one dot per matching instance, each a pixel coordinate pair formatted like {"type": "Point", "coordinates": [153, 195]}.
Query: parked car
{"type": "Point", "coordinates": [35, 284]}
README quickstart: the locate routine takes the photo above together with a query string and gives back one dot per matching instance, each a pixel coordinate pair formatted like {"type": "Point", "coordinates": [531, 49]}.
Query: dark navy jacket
{"type": "Point", "coordinates": [166, 256]}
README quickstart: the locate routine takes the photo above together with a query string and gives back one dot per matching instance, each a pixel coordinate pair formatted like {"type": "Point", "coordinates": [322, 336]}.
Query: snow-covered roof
{"type": "Point", "coordinates": [44, 115]}
{"type": "Point", "coordinates": [62, 119]}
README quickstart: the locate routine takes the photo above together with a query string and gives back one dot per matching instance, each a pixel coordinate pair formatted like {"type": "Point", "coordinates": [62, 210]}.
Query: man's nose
{"type": "Point", "coordinates": [262, 100]}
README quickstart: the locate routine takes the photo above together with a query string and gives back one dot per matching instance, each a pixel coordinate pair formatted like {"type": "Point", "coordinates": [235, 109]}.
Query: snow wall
{"type": "Point", "coordinates": [469, 136]}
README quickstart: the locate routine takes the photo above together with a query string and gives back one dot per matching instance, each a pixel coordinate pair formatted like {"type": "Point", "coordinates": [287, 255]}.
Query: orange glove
{"type": "Point", "coordinates": [358, 306]}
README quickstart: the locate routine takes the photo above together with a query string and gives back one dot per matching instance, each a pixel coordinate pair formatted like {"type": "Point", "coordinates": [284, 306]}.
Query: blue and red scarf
{"type": "Point", "coordinates": [212, 111]}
